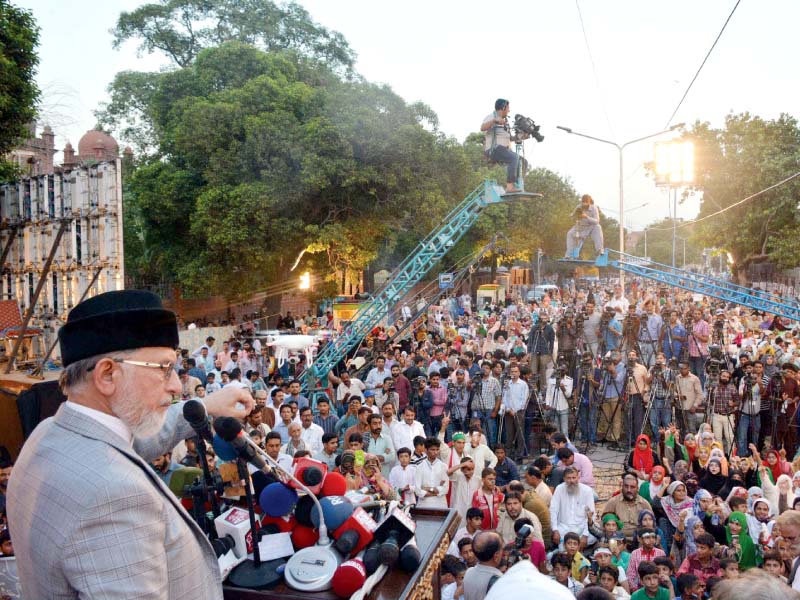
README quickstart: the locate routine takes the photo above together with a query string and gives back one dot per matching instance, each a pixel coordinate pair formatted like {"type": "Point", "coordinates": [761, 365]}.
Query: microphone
{"type": "Point", "coordinates": [335, 511]}
{"type": "Point", "coordinates": [310, 569]}
{"type": "Point", "coordinates": [393, 533]}
{"type": "Point", "coordinates": [349, 578]}
{"type": "Point", "coordinates": [355, 533]}
{"type": "Point", "coordinates": [230, 430]}
{"type": "Point", "coordinates": [311, 472]}
{"type": "Point", "coordinates": [277, 500]}
{"type": "Point", "coordinates": [195, 414]}
{"type": "Point", "coordinates": [410, 557]}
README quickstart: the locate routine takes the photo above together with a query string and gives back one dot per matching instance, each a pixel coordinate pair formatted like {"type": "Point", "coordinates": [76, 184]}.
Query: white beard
{"type": "Point", "coordinates": [142, 424]}
{"type": "Point", "coordinates": [572, 490]}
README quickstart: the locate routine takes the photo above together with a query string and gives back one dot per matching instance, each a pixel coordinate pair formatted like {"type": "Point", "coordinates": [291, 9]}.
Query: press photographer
{"type": "Point", "coordinates": [609, 425]}
{"type": "Point", "coordinates": [540, 347]}
{"type": "Point", "coordinates": [587, 399]}
{"type": "Point", "coordinates": [636, 387]}
{"type": "Point", "coordinates": [567, 333]}
{"type": "Point", "coordinates": [559, 393]}
{"type": "Point", "coordinates": [587, 225]}
{"type": "Point", "coordinates": [661, 380]}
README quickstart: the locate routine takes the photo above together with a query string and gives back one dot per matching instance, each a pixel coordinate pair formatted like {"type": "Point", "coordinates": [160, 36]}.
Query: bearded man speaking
{"type": "Point", "coordinates": [89, 517]}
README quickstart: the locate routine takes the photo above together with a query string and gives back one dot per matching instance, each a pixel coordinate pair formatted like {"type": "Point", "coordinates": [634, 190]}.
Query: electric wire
{"type": "Point", "coordinates": [594, 70]}
{"type": "Point", "coordinates": [691, 83]}
{"type": "Point", "coordinates": [734, 205]}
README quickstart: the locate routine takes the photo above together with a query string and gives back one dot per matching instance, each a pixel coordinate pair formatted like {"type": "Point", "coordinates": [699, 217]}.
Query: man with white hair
{"type": "Point", "coordinates": [90, 519]}
{"type": "Point", "coordinates": [572, 503]}
{"type": "Point", "coordinates": [789, 524]}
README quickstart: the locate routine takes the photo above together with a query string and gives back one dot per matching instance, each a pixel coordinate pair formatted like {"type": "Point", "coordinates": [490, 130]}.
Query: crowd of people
{"type": "Point", "coordinates": [492, 410]}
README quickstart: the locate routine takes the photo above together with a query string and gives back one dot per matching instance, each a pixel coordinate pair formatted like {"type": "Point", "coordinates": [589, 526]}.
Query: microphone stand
{"type": "Point", "coordinates": [208, 482]}
{"type": "Point", "coordinates": [310, 569]}
{"type": "Point", "coordinates": [251, 574]}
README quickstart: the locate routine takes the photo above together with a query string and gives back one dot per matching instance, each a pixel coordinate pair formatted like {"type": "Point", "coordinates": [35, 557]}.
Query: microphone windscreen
{"type": "Point", "coordinates": [347, 541]}
{"type": "Point", "coordinates": [312, 476]}
{"type": "Point", "coordinates": [336, 509]}
{"type": "Point", "coordinates": [277, 499]}
{"type": "Point", "coordinates": [409, 558]}
{"type": "Point", "coordinates": [302, 511]}
{"type": "Point", "coordinates": [371, 559]}
{"type": "Point", "coordinates": [349, 578]}
{"type": "Point", "coordinates": [194, 411]}
{"type": "Point", "coordinates": [303, 537]}
{"type": "Point", "coordinates": [227, 428]}
{"type": "Point", "coordinates": [334, 485]}
{"type": "Point", "coordinates": [224, 450]}
{"type": "Point", "coordinates": [389, 552]}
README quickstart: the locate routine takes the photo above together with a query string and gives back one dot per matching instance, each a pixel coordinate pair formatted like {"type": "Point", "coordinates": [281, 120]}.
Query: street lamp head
{"type": "Point", "coordinates": [567, 129]}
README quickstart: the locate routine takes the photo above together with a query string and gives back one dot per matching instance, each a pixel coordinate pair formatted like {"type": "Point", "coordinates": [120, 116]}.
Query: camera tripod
{"type": "Point", "coordinates": [519, 418]}
{"type": "Point", "coordinates": [608, 380]}
{"type": "Point", "coordinates": [590, 406]}
{"type": "Point", "coordinates": [650, 343]}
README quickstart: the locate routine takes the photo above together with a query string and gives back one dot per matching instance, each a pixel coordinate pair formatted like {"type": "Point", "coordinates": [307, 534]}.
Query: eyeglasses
{"type": "Point", "coordinates": [167, 368]}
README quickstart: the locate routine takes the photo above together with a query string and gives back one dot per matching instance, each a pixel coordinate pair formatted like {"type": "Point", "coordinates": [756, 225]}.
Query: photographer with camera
{"type": "Point", "coordinates": [725, 404]}
{"type": "Point", "coordinates": [690, 399]}
{"type": "Point", "coordinates": [651, 325]}
{"type": "Point", "coordinates": [591, 325]}
{"type": "Point", "coordinates": [699, 337]}
{"type": "Point", "coordinates": [660, 379]}
{"type": "Point", "coordinates": [515, 401]}
{"type": "Point", "coordinates": [497, 142]}
{"type": "Point", "coordinates": [541, 340]}
{"type": "Point", "coordinates": [589, 379]}
{"type": "Point", "coordinates": [610, 427]}
{"type": "Point", "coordinates": [673, 337]}
{"type": "Point", "coordinates": [749, 422]}
{"type": "Point", "coordinates": [610, 331]}
{"type": "Point", "coordinates": [559, 393]}
{"type": "Point", "coordinates": [636, 388]}
{"type": "Point", "coordinates": [567, 334]}
{"type": "Point", "coordinates": [587, 224]}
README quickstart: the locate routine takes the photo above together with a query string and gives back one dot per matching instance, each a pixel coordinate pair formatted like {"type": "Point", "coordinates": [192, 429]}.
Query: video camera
{"type": "Point", "coordinates": [525, 128]}
{"type": "Point", "coordinates": [714, 363]}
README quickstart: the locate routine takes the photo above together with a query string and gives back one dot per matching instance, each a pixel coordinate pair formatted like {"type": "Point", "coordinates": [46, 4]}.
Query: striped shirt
{"type": "Point", "coordinates": [489, 391]}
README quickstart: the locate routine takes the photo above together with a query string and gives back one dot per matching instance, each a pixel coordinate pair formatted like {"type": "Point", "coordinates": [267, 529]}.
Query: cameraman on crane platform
{"type": "Point", "coordinates": [497, 143]}
{"type": "Point", "coordinates": [587, 225]}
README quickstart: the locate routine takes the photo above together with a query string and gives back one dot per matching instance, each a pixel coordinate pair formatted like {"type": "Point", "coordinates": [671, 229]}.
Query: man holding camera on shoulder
{"type": "Point", "coordinates": [497, 143]}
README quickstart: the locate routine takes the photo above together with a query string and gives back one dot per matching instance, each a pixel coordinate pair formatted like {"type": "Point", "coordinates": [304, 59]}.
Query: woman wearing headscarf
{"type": "Point", "coordinates": [740, 544]}
{"type": "Point", "coordinates": [701, 458]}
{"type": "Point", "coordinates": [785, 493]}
{"type": "Point", "coordinates": [683, 541]}
{"type": "Point", "coordinates": [653, 487]}
{"type": "Point", "coordinates": [680, 470]}
{"type": "Point", "coordinates": [642, 458]}
{"type": "Point", "coordinates": [712, 512]}
{"type": "Point", "coordinates": [776, 465]}
{"type": "Point", "coordinates": [373, 479]}
{"type": "Point", "coordinates": [647, 518]}
{"type": "Point", "coordinates": [712, 480]}
{"type": "Point", "coordinates": [673, 503]}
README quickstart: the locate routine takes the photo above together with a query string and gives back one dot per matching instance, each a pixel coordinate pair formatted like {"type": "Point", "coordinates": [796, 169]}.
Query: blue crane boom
{"type": "Point", "coordinates": [698, 283]}
{"type": "Point", "coordinates": [410, 272]}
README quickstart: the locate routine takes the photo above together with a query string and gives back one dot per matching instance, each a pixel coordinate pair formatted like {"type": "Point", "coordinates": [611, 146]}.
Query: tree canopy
{"type": "Point", "coordinates": [19, 36]}
{"type": "Point", "coordinates": [746, 156]}
{"type": "Point", "coordinates": [180, 29]}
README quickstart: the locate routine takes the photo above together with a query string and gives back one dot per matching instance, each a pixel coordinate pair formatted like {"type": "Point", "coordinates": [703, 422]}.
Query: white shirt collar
{"type": "Point", "coordinates": [113, 423]}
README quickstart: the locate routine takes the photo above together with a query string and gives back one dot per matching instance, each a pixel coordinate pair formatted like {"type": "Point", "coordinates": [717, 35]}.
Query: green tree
{"type": "Point", "coordinates": [265, 156]}
{"type": "Point", "coordinates": [19, 36]}
{"type": "Point", "coordinates": [748, 155]}
{"type": "Point", "coordinates": [180, 29]}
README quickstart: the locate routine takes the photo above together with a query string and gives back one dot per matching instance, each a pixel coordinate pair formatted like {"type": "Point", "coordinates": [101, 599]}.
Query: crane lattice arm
{"type": "Point", "coordinates": [701, 284]}
{"type": "Point", "coordinates": [410, 272]}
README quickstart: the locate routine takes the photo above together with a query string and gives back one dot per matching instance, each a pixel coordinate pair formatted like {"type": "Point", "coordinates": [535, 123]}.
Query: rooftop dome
{"type": "Point", "coordinates": [94, 138]}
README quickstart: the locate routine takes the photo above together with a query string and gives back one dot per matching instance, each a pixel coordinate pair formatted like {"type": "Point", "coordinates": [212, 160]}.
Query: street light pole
{"type": "Point", "coordinates": [620, 148]}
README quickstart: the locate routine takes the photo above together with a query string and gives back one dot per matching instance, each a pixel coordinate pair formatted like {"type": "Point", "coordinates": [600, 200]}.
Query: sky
{"type": "Point", "coordinates": [621, 81]}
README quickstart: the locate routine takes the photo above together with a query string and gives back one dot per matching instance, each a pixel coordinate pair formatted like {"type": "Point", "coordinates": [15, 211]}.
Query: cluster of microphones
{"type": "Point", "coordinates": [338, 538]}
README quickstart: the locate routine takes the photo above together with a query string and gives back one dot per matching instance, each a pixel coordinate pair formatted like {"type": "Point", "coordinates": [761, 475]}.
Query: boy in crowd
{"type": "Point", "coordinates": [562, 564]}
{"type": "Point", "coordinates": [652, 589]}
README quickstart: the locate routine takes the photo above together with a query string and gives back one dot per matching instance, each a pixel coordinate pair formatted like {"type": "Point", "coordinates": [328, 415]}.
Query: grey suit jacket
{"type": "Point", "coordinates": [90, 519]}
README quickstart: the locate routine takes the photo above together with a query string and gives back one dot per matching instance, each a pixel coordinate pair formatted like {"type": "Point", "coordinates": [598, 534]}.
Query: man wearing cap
{"type": "Point", "coordinates": [90, 519]}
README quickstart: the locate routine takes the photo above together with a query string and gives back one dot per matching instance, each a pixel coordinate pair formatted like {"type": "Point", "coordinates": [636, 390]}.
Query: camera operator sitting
{"type": "Point", "coordinates": [497, 143]}
{"type": "Point", "coordinates": [587, 225]}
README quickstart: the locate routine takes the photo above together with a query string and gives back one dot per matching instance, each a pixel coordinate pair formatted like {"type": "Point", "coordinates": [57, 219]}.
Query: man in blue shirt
{"type": "Point", "coordinates": [587, 382]}
{"type": "Point", "coordinates": [673, 337]}
{"type": "Point", "coordinates": [612, 331]}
